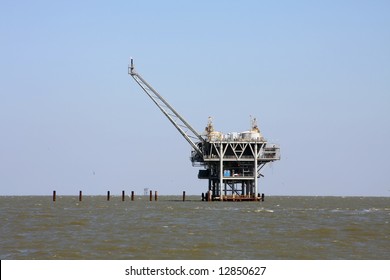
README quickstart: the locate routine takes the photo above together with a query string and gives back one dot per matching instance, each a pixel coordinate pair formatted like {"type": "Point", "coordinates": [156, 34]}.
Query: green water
{"type": "Point", "coordinates": [35, 227]}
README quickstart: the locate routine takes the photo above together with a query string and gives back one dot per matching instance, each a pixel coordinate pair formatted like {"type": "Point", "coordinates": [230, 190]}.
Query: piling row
{"type": "Point", "coordinates": [109, 195]}
{"type": "Point", "coordinates": [205, 197]}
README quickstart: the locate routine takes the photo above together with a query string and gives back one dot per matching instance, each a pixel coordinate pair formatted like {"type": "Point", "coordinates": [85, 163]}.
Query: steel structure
{"type": "Point", "coordinates": [231, 162]}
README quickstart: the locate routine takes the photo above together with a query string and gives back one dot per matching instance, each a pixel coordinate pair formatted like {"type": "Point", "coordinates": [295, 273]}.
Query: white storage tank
{"type": "Point", "coordinates": [250, 135]}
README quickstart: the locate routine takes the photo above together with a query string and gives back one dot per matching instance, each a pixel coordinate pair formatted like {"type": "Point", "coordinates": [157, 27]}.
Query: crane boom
{"type": "Point", "coordinates": [185, 129]}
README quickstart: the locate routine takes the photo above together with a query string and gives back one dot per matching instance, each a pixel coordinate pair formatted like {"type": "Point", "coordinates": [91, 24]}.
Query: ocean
{"type": "Point", "coordinates": [280, 228]}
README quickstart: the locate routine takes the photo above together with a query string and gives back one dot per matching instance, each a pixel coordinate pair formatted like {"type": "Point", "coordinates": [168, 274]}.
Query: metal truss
{"type": "Point", "coordinates": [185, 129]}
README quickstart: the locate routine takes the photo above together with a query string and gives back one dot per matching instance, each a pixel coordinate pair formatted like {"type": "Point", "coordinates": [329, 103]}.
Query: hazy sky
{"type": "Point", "coordinates": [316, 74]}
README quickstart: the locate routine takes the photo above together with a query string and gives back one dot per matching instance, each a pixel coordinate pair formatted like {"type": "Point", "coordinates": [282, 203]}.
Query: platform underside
{"type": "Point", "coordinates": [239, 198]}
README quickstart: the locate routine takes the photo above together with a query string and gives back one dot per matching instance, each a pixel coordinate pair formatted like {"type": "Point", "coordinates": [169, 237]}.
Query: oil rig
{"type": "Point", "coordinates": [230, 162]}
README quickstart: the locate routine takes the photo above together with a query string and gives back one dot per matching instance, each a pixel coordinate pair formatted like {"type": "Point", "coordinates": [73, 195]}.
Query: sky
{"type": "Point", "coordinates": [315, 74]}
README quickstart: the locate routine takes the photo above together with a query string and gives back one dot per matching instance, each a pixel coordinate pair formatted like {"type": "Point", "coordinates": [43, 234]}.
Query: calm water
{"type": "Point", "coordinates": [34, 227]}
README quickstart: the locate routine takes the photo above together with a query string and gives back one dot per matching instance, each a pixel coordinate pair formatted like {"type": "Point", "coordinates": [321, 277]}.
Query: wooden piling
{"type": "Point", "coordinates": [184, 195]}
{"type": "Point", "coordinates": [155, 196]}
{"type": "Point", "coordinates": [123, 195]}
{"type": "Point", "coordinates": [108, 195]}
{"type": "Point", "coordinates": [80, 195]}
{"type": "Point", "coordinates": [151, 196]}
{"type": "Point", "coordinates": [54, 195]}
{"type": "Point", "coordinates": [132, 195]}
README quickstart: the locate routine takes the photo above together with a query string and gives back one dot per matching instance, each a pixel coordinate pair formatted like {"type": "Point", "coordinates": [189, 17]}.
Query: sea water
{"type": "Point", "coordinates": [35, 227]}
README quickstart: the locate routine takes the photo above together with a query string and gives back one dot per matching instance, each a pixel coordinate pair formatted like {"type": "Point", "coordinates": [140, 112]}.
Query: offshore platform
{"type": "Point", "coordinates": [230, 162]}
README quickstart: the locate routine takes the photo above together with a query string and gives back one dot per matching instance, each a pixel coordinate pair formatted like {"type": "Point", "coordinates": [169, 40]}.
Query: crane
{"type": "Point", "coordinates": [185, 129]}
{"type": "Point", "coordinates": [232, 162]}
